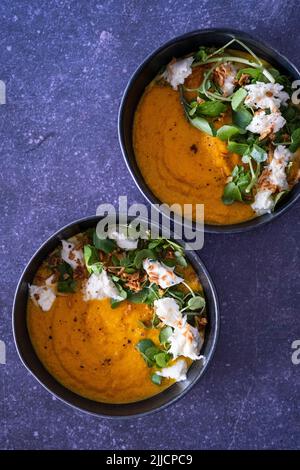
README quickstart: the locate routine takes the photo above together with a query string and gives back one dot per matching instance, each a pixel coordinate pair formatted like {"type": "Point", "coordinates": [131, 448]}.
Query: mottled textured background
{"type": "Point", "coordinates": [66, 64]}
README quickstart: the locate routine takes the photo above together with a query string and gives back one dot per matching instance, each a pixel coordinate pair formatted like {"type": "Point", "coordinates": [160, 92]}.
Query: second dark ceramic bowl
{"type": "Point", "coordinates": [146, 72]}
{"type": "Point", "coordinates": [33, 364]}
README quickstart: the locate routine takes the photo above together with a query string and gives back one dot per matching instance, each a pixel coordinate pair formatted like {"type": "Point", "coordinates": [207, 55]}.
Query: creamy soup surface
{"type": "Point", "coordinates": [91, 346]}
{"type": "Point", "coordinates": [238, 174]}
{"type": "Point", "coordinates": [180, 163]}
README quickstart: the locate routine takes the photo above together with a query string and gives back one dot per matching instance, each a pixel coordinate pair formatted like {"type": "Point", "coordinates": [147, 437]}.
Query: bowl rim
{"type": "Point", "coordinates": [138, 178]}
{"type": "Point", "coordinates": [215, 333]}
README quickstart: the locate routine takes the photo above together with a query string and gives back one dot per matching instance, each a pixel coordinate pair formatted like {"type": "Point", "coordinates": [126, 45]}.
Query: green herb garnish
{"type": "Point", "coordinates": [156, 379]}
{"type": "Point", "coordinates": [65, 283]}
{"type": "Point", "coordinates": [295, 140]}
{"type": "Point", "coordinates": [238, 98]}
{"type": "Point", "coordinates": [152, 355]}
{"type": "Point", "coordinates": [91, 259]}
{"type": "Point", "coordinates": [235, 189]}
{"type": "Point", "coordinates": [141, 255]}
{"type": "Point", "coordinates": [242, 117]}
{"type": "Point", "coordinates": [165, 334]}
{"type": "Point", "coordinates": [104, 244]}
{"type": "Point", "coordinates": [66, 286]}
{"type": "Point", "coordinates": [226, 132]}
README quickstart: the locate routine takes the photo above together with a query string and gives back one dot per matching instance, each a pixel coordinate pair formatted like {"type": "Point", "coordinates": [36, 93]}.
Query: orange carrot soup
{"type": "Point", "coordinates": [116, 320]}
{"type": "Point", "coordinates": [218, 128]}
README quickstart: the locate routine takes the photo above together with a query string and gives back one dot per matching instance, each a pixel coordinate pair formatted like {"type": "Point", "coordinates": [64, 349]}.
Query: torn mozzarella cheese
{"type": "Point", "coordinates": [160, 274]}
{"type": "Point", "coordinates": [70, 255]}
{"type": "Point", "coordinates": [278, 166]}
{"type": "Point", "coordinates": [177, 71]}
{"type": "Point", "coordinates": [185, 341]}
{"type": "Point", "coordinates": [263, 202]}
{"type": "Point", "coordinates": [229, 83]}
{"type": "Point", "coordinates": [100, 286]}
{"type": "Point", "coordinates": [266, 96]}
{"type": "Point", "coordinates": [276, 180]}
{"type": "Point", "coordinates": [168, 312]}
{"type": "Point", "coordinates": [176, 372]}
{"type": "Point", "coordinates": [122, 241]}
{"type": "Point", "coordinates": [43, 296]}
{"type": "Point", "coordinates": [263, 123]}
{"type": "Point", "coordinates": [224, 75]}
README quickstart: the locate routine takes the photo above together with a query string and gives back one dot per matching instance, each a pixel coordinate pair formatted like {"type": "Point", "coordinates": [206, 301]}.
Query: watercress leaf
{"type": "Point", "coordinates": [246, 159]}
{"type": "Point", "coordinates": [201, 54]}
{"type": "Point", "coordinates": [196, 303]}
{"type": "Point", "coordinates": [203, 125]}
{"type": "Point", "coordinates": [156, 379]}
{"type": "Point", "coordinates": [151, 352]}
{"type": "Point", "coordinates": [242, 117]}
{"type": "Point", "coordinates": [104, 244]}
{"type": "Point", "coordinates": [289, 113]}
{"type": "Point", "coordinates": [121, 292]}
{"type": "Point", "coordinates": [138, 297]}
{"type": "Point", "coordinates": [69, 285]}
{"type": "Point", "coordinates": [226, 131]}
{"type": "Point", "coordinates": [258, 153]}
{"type": "Point", "coordinates": [162, 359]}
{"type": "Point", "coordinates": [144, 344]}
{"type": "Point", "coordinates": [155, 243]}
{"type": "Point", "coordinates": [285, 82]}
{"type": "Point", "coordinates": [65, 281]}
{"type": "Point", "coordinates": [147, 349]}
{"type": "Point", "coordinates": [173, 245]}
{"type": "Point", "coordinates": [180, 259]}
{"type": "Point", "coordinates": [274, 72]}
{"type": "Point", "coordinates": [295, 140]}
{"type": "Point", "coordinates": [125, 262]}
{"type": "Point", "coordinates": [171, 262]}
{"type": "Point", "coordinates": [141, 255]}
{"type": "Point", "coordinates": [240, 178]}
{"type": "Point", "coordinates": [96, 268]}
{"type": "Point", "coordinates": [65, 271]}
{"type": "Point", "coordinates": [231, 193]}
{"type": "Point", "coordinates": [238, 98]}
{"type": "Point", "coordinates": [211, 108]}
{"type": "Point", "coordinates": [114, 303]}
{"type": "Point", "coordinates": [91, 259]}
{"type": "Point", "coordinates": [236, 147]}
{"type": "Point", "coordinates": [152, 295]}
{"type": "Point", "coordinates": [235, 171]}
{"type": "Point", "coordinates": [252, 72]}
{"type": "Point", "coordinates": [165, 334]}
{"type": "Point", "coordinates": [243, 181]}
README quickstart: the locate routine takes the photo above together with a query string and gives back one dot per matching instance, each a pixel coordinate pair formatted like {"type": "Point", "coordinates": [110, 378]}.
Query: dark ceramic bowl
{"type": "Point", "coordinates": [179, 47]}
{"type": "Point", "coordinates": [33, 364]}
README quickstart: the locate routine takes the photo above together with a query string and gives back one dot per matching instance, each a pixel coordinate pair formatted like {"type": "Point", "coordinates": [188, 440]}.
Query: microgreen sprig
{"type": "Point", "coordinates": [230, 58]}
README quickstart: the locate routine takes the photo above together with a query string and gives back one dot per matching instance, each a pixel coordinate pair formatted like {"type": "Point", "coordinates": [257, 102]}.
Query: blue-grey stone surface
{"type": "Point", "coordinates": [65, 64]}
